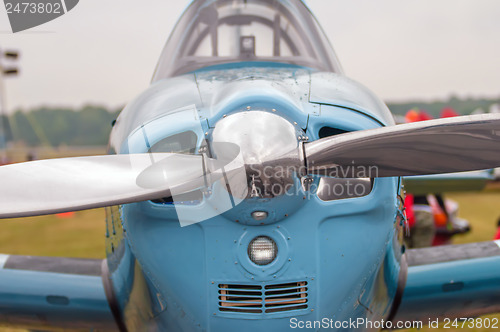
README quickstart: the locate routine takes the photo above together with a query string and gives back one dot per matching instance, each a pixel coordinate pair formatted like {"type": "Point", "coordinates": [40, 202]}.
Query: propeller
{"type": "Point", "coordinates": [68, 184]}
{"type": "Point", "coordinates": [448, 145]}
{"type": "Point", "coordinates": [71, 184]}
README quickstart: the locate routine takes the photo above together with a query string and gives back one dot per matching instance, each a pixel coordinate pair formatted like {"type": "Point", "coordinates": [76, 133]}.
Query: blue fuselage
{"type": "Point", "coordinates": [337, 259]}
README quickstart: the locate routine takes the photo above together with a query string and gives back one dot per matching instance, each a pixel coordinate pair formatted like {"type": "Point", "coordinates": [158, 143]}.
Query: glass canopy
{"type": "Point", "coordinates": [213, 32]}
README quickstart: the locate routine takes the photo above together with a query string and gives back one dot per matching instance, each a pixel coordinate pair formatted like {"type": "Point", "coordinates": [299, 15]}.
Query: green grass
{"type": "Point", "coordinates": [83, 235]}
{"type": "Point", "coordinates": [79, 236]}
{"type": "Point", "coordinates": [482, 210]}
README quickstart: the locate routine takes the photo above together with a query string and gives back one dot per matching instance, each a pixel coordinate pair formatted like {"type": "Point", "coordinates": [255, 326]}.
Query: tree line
{"type": "Point", "coordinates": [44, 126]}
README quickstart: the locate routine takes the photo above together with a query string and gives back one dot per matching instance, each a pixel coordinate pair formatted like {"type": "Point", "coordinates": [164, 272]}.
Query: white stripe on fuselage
{"type": "Point", "coordinates": [3, 260]}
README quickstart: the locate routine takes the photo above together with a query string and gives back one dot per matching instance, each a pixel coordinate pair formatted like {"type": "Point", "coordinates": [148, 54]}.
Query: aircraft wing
{"type": "Point", "coordinates": [454, 281]}
{"type": "Point", "coordinates": [51, 292]}
{"type": "Point", "coordinates": [441, 183]}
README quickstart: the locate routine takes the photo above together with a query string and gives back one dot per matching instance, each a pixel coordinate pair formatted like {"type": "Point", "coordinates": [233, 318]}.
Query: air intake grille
{"type": "Point", "coordinates": [263, 298]}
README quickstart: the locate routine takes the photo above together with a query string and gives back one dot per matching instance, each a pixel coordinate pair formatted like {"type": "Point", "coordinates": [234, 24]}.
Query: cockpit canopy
{"type": "Point", "coordinates": [213, 32]}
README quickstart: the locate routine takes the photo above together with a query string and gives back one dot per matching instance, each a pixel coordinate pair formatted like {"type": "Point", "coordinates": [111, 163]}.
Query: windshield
{"type": "Point", "coordinates": [213, 32]}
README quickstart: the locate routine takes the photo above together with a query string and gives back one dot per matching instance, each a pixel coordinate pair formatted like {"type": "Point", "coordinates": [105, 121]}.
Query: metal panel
{"type": "Point", "coordinates": [449, 286]}
{"type": "Point", "coordinates": [337, 90]}
{"type": "Point", "coordinates": [48, 300]}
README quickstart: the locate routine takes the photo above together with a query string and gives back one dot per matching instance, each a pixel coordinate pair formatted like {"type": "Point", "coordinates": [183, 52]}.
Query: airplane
{"type": "Point", "coordinates": [253, 186]}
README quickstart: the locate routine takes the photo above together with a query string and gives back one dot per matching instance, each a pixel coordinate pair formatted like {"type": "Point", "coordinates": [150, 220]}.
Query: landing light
{"type": "Point", "coordinates": [262, 250]}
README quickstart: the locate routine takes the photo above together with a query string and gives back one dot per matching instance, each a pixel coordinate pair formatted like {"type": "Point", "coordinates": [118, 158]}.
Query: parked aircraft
{"type": "Point", "coordinates": [251, 187]}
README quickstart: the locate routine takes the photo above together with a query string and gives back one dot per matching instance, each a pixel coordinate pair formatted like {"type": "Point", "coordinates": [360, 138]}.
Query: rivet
{"type": "Point", "coordinates": [289, 238]}
{"type": "Point", "coordinates": [312, 310]}
{"type": "Point", "coordinates": [225, 115]}
{"type": "Point", "coordinates": [274, 276]}
{"type": "Point", "coordinates": [212, 282]}
{"type": "Point", "coordinates": [236, 263]}
{"type": "Point", "coordinates": [274, 110]}
{"type": "Point", "coordinates": [248, 107]}
{"type": "Point", "coordinates": [286, 215]}
{"type": "Point", "coordinates": [295, 123]}
{"type": "Point", "coordinates": [289, 259]}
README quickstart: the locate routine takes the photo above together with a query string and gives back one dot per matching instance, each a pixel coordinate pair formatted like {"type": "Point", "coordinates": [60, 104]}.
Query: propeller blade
{"type": "Point", "coordinates": [70, 184]}
{"type": "Point", "coordinates": [448, 145]}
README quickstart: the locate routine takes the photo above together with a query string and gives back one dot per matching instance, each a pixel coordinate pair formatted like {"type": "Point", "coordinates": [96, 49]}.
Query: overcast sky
{"type": "Point", "coordinates": [104, 52]}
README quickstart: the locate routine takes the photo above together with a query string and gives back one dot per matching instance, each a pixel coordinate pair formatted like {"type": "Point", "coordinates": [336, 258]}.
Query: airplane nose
{"type": "Point", "coordinates": [264, 138]}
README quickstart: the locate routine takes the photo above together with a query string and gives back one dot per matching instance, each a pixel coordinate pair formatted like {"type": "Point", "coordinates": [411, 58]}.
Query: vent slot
{"type": "Point", "coordinates": [240, 298]}
{"type": "Point", "coordinates": [263, 298]}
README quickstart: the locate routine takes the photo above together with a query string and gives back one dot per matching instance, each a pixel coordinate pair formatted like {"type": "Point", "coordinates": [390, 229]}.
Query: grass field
{"type": "Point", "coordinates": [83, 235]}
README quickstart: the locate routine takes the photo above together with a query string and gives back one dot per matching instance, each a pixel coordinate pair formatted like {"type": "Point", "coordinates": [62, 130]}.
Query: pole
{"type": "Point", "coordinates": [3, 112]}
{"type": "Point", "coordinates": [12, 55]}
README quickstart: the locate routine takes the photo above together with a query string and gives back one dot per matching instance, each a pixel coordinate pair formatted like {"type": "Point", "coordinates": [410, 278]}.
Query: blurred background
{"type": "Point", "coordinates": [77, 72]}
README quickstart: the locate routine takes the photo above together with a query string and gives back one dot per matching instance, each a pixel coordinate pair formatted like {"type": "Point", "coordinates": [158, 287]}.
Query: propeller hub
{"type": "Point", "coordinates": [269, 146]}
